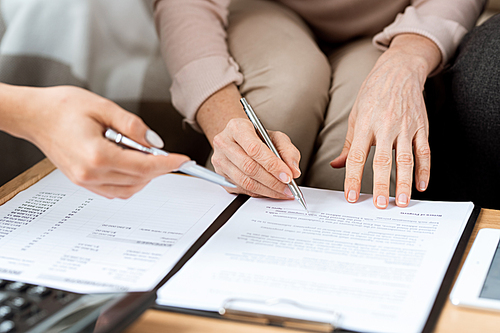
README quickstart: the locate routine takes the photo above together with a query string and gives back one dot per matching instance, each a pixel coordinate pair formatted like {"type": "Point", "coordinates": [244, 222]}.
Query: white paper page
{"type": "Point", "coordinates": [64, 236]}
{"type": "Point", "coordinates": [381, 269]}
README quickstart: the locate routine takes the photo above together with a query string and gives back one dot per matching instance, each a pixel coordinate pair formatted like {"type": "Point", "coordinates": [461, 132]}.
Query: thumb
{"type": "Point", "coordinates": [340, 161]}
{"type": "Point", "coordinates": [131, 126]}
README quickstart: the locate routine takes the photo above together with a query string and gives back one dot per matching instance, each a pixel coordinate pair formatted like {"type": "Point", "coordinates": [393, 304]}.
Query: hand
{"type": "Point", "coordinates": [68, 123]}
{"type": "Point", "coordinates": [240, 155]}
{"type": "Point", "coordinates": [389, 112]}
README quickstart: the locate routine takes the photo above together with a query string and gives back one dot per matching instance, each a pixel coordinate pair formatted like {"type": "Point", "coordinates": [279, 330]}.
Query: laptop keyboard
{"type": "Point", "coordinates": [23, 305]}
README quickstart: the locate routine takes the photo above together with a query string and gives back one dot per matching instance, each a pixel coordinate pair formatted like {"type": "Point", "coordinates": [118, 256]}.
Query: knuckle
{"type": "Point", "coordinates": [277, 185]}
{"type": "Point", "coordinates": [404, 185]}
{"type": "Point", "coordinates": [97, 160]}
{"type": "Point", "coordinates": [356, 156]}
{"type": "Point", "coordinates": [353, 179]}
{"type": "Point", "coordinates": [404, 159]}
{"type": "Point", "coordinates": [347, 144]}
{"type": "Point", "coordinates": [280, 136]}
{"type": "Point", "coordinates": [423, 151]}
{"type": "Point", "coordinates": [424, 171]}
{"type": "Point", "coordinates": [82, 176]}
{"type": "Point", "coordinates": [272, 164]}
{"type": "Point", "coordinates": [237, 125]}
{"type": "Point", "coordinates": [250, 167]}
{"type": "Point", "coordinates": [216, 162]}
{"type": "Point", "coordinates": [249, 184]}
{"type": "Point", "coordinates": [218, 141]}
{"type": "Point", "coordinates": [133, 123]}
{"type": "Point", "coordinates": [382, 159]}
{"type": "Point", "coordinates": [297, 152]}
{"type": "Point", "coordinates": [381, 187]}
{"type": "Point", "coordinates": [233, 124]}
{"type": "Point", "coordinates": [254, 149]}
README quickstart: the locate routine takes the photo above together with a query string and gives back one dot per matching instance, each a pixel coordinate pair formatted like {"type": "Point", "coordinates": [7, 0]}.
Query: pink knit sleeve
{"type": "Point", "coordinates": [445, 22]}
{"type": "Point", "coordinates": [193, 45]}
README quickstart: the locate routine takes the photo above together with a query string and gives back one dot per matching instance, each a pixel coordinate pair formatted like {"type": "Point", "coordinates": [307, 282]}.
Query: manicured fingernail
{"type": "Point", "coordinates": [403, 199]}
{"type": "Point", "coordinates": [422, 185]}
{"type": "Point", "coordinates": [351, 197]}
{"type": "Point", "coordinates": [381, 201]}
{"type": "Point", "coordinates": [154, 139]}
{"type": "Point", "coordinates": [288, 192]}
{"type": "Point", "coordinates": [284, 178]}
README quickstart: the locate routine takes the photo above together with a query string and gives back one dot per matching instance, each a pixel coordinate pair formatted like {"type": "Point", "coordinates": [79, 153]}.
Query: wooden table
{"type": "Point", "coordinates": [452, 320]}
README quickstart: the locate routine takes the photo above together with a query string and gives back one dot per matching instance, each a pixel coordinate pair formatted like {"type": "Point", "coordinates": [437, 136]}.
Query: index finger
{"type": "Point", "coordinates": [288, 152]}
{"type": "Point", "coordinates": [355, 163]}
{"type": "Point", "coordinates": [140, 164]}
{"type": "Point", "coordinates": [260, 152]}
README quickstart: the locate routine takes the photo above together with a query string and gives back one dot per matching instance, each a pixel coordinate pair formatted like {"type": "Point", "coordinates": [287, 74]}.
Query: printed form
{"type": "Point", "coordinates": [63, 236]}
{"type": "Point", "coordinates": [379, 269]}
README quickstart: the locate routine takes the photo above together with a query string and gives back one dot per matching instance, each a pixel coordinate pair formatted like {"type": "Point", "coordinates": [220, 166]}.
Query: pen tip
{"type": "Point", "coordinates": [303, 203]}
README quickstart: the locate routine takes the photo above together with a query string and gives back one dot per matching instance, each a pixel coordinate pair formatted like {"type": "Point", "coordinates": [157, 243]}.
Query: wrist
{"type": "Point", "coordinates": [217, 110]}
{"type": "Point", "coordinates": [16, 110]}
{"type": "Point", "coordinates": [418, 52]}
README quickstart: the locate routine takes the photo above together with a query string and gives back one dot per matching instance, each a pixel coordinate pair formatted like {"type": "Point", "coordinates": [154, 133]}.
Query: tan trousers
{"type": "Point", "coordinates": [296, 88]}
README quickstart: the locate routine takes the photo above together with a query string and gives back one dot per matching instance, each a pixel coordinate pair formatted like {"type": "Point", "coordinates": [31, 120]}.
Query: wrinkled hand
{"type": "Point", "coordinates": [68, 123]}
{"type": "Point", "coordinates": [241, 156]}
{"type": "Point", "coordinates": [390, 112]}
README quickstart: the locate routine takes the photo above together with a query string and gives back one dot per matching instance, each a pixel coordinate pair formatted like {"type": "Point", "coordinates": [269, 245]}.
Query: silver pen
{"type": "Point", "coordinates": [262, 132]}
{"type": "Point", "coordinates": [189, 167]}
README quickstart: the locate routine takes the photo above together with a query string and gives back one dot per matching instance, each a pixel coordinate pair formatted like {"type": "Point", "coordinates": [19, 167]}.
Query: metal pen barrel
{"type": "Point", "coordinates": [262, 132]}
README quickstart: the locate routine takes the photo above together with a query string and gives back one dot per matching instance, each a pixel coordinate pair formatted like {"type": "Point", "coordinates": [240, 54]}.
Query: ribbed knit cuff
{"type": "Point", "coordinates": [445, 33]}
{"type": "Point", "coordinates": [200, 79]}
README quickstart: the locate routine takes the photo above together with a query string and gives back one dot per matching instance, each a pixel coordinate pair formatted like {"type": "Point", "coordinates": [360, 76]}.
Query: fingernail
{"type": "Point", "coordinates": [422, 185]}
{"type": "Point", "coordinates": [351, 197]}
{"type": "Point", "coordinates": [381, 201]}
{"type": "Point", "coordinates": [288, 192]}
{"type": "Point", "coordinates": [403, 199]}
{"type": "Point", "coordinates": [296, 166]}
{"type": "Point", "coordinates": [284, 178]}
{"type": "Point", "coordinates": [154, 139]}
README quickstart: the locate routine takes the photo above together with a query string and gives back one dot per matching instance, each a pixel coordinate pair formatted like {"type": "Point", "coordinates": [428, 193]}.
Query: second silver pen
{"type": "Point", "coordinates": [261, 130]}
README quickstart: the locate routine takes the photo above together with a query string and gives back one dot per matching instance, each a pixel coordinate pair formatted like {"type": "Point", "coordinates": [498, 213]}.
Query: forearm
{"type": "Point", "coordinates": [214, 114]}
{"type": "Point", "coordinates": [16, 109]}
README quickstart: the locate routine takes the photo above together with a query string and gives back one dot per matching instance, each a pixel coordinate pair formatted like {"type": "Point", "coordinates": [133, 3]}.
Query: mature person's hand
{"type": "Point", "coordinates": [390, 112]}
{"type": "Point", "coordinates": [68, 124]}
{"type": "Point", "coordinates": [239, 153]}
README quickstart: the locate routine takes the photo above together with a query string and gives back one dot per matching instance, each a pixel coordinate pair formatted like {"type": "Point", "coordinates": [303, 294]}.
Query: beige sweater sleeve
{"type": "Point", "coordinates": [193, 44]}
{"type": "Point", "coordinates": [445, 22]}
{"type": "Point", "coordinates": [193, 41]}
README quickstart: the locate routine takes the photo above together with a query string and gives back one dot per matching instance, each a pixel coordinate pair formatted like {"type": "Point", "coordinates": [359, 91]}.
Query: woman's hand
{"type": "Point", "coordinates": [68, 124]}
{"type": "Point", "coordinates": [390, 112]}
{"type": "Point", "coordinates": [239, 153]}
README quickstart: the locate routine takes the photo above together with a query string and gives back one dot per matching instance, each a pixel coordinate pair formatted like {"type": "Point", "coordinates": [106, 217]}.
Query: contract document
{"type": "Point", "coordinates": [63, 236]}
{"type": "Point", "coordinates": [379, 269]}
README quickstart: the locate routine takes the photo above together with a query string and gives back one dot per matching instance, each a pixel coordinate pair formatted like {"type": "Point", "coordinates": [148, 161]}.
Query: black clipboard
{"type": "Point", "coordinates": [320, 326]}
